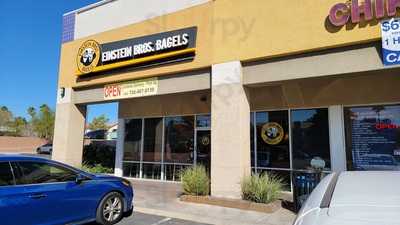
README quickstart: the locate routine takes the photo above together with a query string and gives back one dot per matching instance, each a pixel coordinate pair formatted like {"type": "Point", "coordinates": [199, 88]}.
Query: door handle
{"type": "Point", "coordinates": [37, 196]}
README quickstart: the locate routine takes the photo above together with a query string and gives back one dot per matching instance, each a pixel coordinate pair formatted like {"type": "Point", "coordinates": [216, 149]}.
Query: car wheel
{"type": "Point", "coordinates": [110, 210]}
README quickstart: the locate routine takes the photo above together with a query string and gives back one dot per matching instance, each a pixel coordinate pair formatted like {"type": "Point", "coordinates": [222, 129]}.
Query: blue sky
{"type": "Point", "coordinates": [30, 40]}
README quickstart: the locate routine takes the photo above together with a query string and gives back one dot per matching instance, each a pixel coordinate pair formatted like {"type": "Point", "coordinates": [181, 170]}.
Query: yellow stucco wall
{"type": "Point", "coordinates": [232, 30]}
{"type": "Point", "coordinates": [280, 27]}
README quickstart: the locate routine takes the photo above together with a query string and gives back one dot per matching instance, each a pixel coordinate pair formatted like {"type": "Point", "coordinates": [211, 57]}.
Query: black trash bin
{"type": "Point", "coordinates": [304, 183]}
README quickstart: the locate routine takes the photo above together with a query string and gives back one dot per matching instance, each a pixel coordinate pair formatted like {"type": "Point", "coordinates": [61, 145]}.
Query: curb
{"type": "Point", "coordinates": [233, 203]}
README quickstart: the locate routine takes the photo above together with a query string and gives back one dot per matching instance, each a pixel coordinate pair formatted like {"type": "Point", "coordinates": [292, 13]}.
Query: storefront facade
{"type": "Point", "coordinates": [236, 86]}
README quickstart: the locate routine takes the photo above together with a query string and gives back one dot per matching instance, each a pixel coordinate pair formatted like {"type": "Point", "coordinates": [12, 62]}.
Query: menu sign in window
{"type": "Point", "coordinates": [373, 137]}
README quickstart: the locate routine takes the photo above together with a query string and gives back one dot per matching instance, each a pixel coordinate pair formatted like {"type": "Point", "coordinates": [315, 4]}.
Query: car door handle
{"type": "Point", "coordinates": [37, 196]}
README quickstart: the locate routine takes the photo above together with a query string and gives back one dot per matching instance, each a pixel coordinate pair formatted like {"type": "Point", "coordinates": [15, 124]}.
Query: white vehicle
{"type": "Point", "coordinates": [45, 149]}
{"type": "Point", "coordinates": [354, 198]}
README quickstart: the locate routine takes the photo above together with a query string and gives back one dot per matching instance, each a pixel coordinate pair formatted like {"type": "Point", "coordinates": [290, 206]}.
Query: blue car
{"type": "Point", "coordinates": [41, 191]}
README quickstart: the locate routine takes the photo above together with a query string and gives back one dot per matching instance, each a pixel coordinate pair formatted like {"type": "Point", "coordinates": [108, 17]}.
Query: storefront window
{"type": "Point", "coordinates": [133, 138]}
{"type": "Point", "coordinates": [173, 171]}
{"type": "Point", "coordinates": [373, 137]}
{"type": "Point", "coordinates": [131, 169]}
{"type": "Point", "coordinates": [151, 171]}
{"type": "Point", "coordinates": [203, 121]}
{"type": "Point", "coordinates": [310, 139]}
{"type": "Point", "coordinates": [146, 161]}
{"type": "Point", "coordinates": [270, 147]}
{"type": "Point", "coordinates": [152, 143]}
{"type": "Point", "coordinates": [252, 147]}
{"type": "Point", "coordinates": [179, 137]}
{"type": "Point", "coordinates": [272, 139]}
{"type": "Point", "coordinates": [152, 148]}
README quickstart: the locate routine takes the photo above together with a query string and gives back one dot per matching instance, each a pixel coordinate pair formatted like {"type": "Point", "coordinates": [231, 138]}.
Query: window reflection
{"type": "Point", "coordinates": [152, 143]}
{"type": "Point", "coordinates": [203, 121]}
{"type": "Point", "coordinates": [310, 139]}
{"type": "Point", "coordinates": [173, 171]}
{"type": "Point", "coordinates": [179, 136]}
{"type": "Point", "coordinates": [373, 137]}
{"type": "Point", "coordinates": [131, 169]}
{"type": "Point", "coordinates": [6, 176]}
{"type": "Point", "coordinates": [39, 173]}
{"type": "Point", "coordinates": [273, 139]}
{"type": "Point", "coordinates": [252, 147]}
{"type": "Point", "coordinates": [133, 138]}
{"type": "Point", "coordinates": [151, 171]}
{"type": "Point", "coordinates": [178, 143]}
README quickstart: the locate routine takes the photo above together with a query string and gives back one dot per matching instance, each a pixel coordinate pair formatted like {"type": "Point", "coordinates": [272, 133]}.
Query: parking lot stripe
{"type": "Point", "coordinates": [162, 221]}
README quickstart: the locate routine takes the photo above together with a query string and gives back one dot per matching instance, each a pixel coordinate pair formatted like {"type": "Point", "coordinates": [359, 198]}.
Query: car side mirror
{"type": "Point", "coordinates": [79, 179]}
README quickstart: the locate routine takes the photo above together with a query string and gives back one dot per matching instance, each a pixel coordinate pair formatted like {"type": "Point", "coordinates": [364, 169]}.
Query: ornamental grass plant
{"type": "Point", "coordinates": [195, 181]}
{"type": "Point", "coordinates": [264, 188]}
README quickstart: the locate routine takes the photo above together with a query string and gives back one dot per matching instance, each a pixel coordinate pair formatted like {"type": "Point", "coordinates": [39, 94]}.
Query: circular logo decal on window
{"type": "Point", "coordinates": [272, 133]}
{"type": "Point", "coordinates": [88, 56]}
{"type": "Point", "coordinates": [205, 140]}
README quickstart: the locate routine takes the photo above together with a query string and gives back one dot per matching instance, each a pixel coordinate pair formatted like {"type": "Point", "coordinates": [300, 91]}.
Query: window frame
{"type": "Point", "coordinates": [291, 137]}
{"type": "Point", "coordinates": [348, 145]}
{"type": "Point", "coordinates": [12, 174]}
{"type": "Point", "coordinates": [193, 135]}
{"type": "Point", "coordinates": [162, 162]}
{"type": "Point", "coordinates": [141, 140]}
{"type": "Point", "coordinates": [21, 174]}
{"type": "Point", "coordinates": [256, 140]}
{"type": "Point", "coordinates": [256, 168]}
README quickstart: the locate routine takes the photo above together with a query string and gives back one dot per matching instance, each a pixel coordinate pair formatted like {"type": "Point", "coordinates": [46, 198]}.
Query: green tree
{"type": "Point", "coordinates": [99, 123]}
{"type": "Point", "coordinates": [5, 116]}
{"type": "Point", "coordinates": [19, 126]}
{"type": "Point", "coordinates": [42, 122]}
{"type": "Point", "coordinates": [32, 111]}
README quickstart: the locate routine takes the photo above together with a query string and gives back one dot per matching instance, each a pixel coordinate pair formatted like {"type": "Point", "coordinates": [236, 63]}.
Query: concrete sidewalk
{"type": "Point", "coordinates": [160, 198]}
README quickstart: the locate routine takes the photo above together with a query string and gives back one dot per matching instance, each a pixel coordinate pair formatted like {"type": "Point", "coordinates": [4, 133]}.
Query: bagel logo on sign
{"type": "Point", "coordinates": [88, 56]}
{"type": "Point", "coordinates": [272, 133]}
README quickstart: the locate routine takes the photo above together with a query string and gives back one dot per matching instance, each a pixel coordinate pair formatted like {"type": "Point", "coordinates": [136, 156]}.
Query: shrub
{"type": "Point", "coordinates": [195, 181]}
{"type": "Point", "coordinates": [99, 154]}
{"type": "Point", "coordinates": [264, 188]}
{"type": "Point", "coordinates": [98, 168]}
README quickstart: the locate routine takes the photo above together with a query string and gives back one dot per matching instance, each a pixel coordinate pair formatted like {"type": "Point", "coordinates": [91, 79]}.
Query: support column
{"type": "Point", "coordinates": [230, 130]}
{"type": "Point", "coordinates": [119, 152]}
{"type": "Point", "coordinates": [69, 130]}
{"type": "Point", "coordinates": [337, 138]}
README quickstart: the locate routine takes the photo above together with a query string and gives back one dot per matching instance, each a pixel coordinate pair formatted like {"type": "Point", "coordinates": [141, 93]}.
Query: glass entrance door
{"type": "Point", "coordinates": [204, 148]}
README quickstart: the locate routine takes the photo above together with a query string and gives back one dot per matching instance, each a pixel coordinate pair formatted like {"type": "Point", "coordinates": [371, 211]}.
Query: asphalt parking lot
{"type": "Point", "coordinates": [147, 219]}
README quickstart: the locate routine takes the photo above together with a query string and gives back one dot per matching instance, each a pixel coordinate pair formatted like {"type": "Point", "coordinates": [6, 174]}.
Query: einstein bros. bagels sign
{"type": "Point", "coordinates": [354, 10]}
{"type": "Point", "coordinates": [143, 51]}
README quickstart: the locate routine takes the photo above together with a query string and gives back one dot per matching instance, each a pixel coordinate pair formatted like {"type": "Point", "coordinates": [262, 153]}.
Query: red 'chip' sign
{"type": "Point", "coordinates": [342, 13]}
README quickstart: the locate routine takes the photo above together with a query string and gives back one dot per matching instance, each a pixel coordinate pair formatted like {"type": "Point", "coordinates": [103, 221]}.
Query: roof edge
{"type": "Point", "coordinates": [89, 7]}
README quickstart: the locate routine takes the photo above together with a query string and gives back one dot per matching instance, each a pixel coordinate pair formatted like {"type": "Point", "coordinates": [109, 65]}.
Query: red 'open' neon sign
{"type": "Point", "coordinates": [383, 126]}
